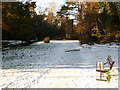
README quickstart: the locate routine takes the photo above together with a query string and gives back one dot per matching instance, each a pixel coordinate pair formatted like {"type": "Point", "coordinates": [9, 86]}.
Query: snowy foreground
{"type": "Point", "coordinates": [49, 66]}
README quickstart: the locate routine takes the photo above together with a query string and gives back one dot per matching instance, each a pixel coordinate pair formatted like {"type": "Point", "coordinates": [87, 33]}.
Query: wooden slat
{"type": "Point", "coordinates": [102, 65]}
{"type": "Point", "coordinates": [110, 62]}
{"type": "Point", "coordinates": [99, 66]}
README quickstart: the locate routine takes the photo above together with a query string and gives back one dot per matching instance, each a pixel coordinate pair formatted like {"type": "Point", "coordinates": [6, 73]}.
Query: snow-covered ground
{"type": "Point", "coordinates": [49, 66]}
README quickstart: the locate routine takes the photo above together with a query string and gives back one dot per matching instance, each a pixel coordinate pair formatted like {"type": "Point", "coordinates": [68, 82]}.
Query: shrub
{"type": "Point", "coordinates": [47, 40]}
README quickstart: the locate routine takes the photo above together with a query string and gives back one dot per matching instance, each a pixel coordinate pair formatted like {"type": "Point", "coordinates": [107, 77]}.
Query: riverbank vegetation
{"type": "Point", "coordinates": [89, 22]}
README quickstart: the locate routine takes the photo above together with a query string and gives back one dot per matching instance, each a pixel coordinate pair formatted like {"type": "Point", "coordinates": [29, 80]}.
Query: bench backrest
{"type": "Point", "coordinates": [99, 65]}
{"type": "Point", "coordinates": [110, 62]}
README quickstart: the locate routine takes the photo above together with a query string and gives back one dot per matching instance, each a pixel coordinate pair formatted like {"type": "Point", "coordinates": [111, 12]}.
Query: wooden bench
{"type": "Point", "coordinates": [100, 66]}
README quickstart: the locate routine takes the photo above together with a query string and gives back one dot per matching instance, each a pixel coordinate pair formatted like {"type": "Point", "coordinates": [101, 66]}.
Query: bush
{"type": "Point", "coordinates": [47, 40]}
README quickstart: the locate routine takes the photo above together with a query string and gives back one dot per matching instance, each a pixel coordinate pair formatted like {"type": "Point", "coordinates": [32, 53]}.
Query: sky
{"type": "Point", "coordinates": [45, 4]}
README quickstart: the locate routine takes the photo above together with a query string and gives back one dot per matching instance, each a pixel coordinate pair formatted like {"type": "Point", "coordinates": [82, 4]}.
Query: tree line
{"type": "Point", "coordinates": [95, 21]}
{"type": "Point", "coordinates": [86, 21]}
{"type": "Point", "coordinates": [20, 22]}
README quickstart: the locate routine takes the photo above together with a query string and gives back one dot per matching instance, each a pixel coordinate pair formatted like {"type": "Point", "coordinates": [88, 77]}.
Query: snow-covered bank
{"type": "Point", "coordinates": [55, 78]}
{"type": "Point", "coordinates": [35, 65]}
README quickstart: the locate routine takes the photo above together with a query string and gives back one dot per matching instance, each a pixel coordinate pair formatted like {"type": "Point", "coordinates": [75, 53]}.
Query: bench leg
{"type": "Point", "coordinates": [101, 74]}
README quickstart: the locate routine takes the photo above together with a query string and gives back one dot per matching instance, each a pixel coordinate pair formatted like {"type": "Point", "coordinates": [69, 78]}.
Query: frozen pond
{"type": "Point", "coordinates": [53, 55]}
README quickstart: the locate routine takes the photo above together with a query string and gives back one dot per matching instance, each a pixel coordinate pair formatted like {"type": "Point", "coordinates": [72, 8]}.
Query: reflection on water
{"type": "Point", "coordinates": [53, 55]}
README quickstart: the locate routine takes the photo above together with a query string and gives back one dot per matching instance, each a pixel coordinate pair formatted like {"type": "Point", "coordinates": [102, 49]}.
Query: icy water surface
{"type": "Point", "coordinates": [53, 55]}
